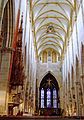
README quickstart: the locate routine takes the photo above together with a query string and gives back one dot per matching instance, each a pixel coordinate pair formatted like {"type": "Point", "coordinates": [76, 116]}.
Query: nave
{"type": "Point", "coordinates": [41, 59]}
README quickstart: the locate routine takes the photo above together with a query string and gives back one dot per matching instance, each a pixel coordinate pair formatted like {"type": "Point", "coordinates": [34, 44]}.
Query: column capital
{"type": "Point", "coordinates": [7, 49]}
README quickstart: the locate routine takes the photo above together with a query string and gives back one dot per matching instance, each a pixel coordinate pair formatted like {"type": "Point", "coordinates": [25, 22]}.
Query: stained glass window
{"type": "Point", "coordinates": [42, 98]}
{"type": "Point", "coordinates": [58, 105]}
{"type": "Point", "coordinates": [54, 98]}
{"type": "Point", "coordinates": [48, 98]}
{"type": "Point", "coordinates": [49, 54]}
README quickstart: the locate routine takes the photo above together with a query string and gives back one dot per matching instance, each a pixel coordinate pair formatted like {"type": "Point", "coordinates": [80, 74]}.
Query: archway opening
{"type": "Point", "coordinates": [8, 24]}
{"type": "Point", "coordinates": [49, 96]}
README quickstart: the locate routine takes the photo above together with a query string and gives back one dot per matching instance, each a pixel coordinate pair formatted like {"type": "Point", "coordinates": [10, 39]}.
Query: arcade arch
{"type": "Point", "coordinates": [49, 99]}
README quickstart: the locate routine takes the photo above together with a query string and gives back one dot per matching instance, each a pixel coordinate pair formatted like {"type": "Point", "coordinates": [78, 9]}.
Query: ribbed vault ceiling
{"type": "Point", "coordinates": [51, 21]}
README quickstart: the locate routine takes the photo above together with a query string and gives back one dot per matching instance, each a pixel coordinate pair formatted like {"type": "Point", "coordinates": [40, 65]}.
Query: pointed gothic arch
{"type": "Point", "coordinates": [77, 69]}
{"type": "Point", "coordinates": [8, 24]}
{"type": "Point", "coordinates": [49, 94]}
{"type": "Point", "coordinates": [72, 77]}
{"type": "Point", "coordinates": [78, 88]}
{"type": "Point", "coordinates": [69, 82]}
{"type": "Point", "coordinates": [46, 74]}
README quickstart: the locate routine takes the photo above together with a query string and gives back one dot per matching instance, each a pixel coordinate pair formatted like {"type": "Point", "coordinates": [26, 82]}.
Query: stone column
{"type": "Point", "coordinates": [4, 79]}
{"type": "Point", "coordinates": [73, 100]}
{"type": "Point", "coordinates": [61, 96]}
{"type": "Point", "coordinates": [82, 76]}
{"type": "Point", "coordinates": [66, 97]}
{"type": "Point", "coordinates": [36, 98]}
{"type": "Point", "coordinates": [77, 98]}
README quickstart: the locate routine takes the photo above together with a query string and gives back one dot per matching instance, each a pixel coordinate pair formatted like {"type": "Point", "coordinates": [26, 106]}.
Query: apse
{"type": "Point", "coordinates": [49, 95]}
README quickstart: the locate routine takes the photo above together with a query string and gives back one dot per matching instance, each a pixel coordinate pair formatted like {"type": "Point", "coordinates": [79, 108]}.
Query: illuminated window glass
{"type": "Point", "coordinates": [48, 98]}
{"type": "Point", "coordinates": [42, 98]}
{"type": "Point", "coordinates": [49, 54]}
{"type": "Point", "coordinates": [54, 98]}
{"type": "Point", "coordinates": [58, 105]}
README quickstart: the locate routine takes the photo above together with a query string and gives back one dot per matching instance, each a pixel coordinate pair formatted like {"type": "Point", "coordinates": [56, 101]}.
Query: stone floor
{"type": "Point", "coordinates": [41, 118]}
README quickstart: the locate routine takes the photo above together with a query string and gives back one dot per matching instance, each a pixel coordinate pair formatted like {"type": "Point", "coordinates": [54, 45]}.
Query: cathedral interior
{"type": "Point", "coordinates": [42, 58]}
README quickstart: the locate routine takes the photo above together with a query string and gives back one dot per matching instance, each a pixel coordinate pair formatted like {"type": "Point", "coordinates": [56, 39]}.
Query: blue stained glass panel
{"type": "Point", "coordinates": [42, 98]}
{"type": "Point", "coordinates": [54, 98]}
{"type": "Point", "coordinates": [48, 98]}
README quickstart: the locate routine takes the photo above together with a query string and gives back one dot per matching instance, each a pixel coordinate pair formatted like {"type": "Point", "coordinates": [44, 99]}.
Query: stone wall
{"type": "Point", "coordinates": [73, 99]}
{"type": "Point", "coordinates": [53, 68]}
